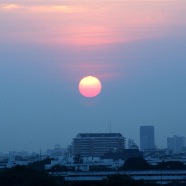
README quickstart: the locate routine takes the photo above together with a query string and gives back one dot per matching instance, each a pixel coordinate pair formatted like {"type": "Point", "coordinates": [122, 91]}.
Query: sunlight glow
{"type": "Point", "coordinates": [10, 6]}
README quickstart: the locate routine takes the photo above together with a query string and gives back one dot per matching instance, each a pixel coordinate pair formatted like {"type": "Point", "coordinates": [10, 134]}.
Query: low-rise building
{"type": "Point", "coordinates": [176, 144]}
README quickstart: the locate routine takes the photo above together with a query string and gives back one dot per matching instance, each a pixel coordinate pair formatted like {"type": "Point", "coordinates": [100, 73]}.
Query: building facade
{"type": "Point", "coordinates": [175, 144]}
{"type": "Point", "coordinates": [147, 140]}
{"type": "Point", "coordinates": [96, 144]}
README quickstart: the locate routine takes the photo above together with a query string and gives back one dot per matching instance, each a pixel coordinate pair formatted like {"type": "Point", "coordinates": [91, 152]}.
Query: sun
{"type": "Point", "coordinates": [90, 86]}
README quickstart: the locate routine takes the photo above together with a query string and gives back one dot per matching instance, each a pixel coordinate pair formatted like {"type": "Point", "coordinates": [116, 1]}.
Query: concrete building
{"type": "Point", "coordinates": [147, 140]}
{"type": "Point", "coordinates": [96, 144]}
{"type": "Point", "coordinates": [175, 144]}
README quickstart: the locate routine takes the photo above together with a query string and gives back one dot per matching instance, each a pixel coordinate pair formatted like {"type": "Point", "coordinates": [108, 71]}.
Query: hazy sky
{"type": "Point", "coordinates": [136, 48]}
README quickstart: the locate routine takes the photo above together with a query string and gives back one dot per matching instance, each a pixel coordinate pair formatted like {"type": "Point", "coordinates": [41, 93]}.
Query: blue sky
{"type": "Point", "coordinates": [46, 48]}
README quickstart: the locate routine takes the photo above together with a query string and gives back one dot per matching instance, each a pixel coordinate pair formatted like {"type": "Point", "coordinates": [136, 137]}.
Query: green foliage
{"type": "Point", "coordinates": [124, 180]}
{"type": "Point", "coordinates": [40, 165]}
{"type": "Point", "coordinates": [136, 163]}
{"type": "Point", "coordinates": [175, 183]}
{"type": "Point", "coordinates": [117, 179]}
{"type": "Point", "coordinates": [99, 168]}
{"type": "Point", "coordinates": [171, 165]}
{"type": "Point", "coordinates": [78, 159]}
{"type": "Point", "coordinates": [35, 175]}
{"type": "Point", "coordinates": [58, 168]}
{"type": "Point", "coordinates": [24, 176]}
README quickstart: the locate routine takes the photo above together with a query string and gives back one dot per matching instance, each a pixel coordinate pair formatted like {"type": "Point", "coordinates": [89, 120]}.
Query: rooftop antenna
{"type": "Point", "coordinates": [40, 153]}
{"type": "Point", "coordinates": [110, 128]}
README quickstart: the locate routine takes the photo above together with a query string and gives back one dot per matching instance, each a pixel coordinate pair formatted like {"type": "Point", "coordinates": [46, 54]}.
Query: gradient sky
{"type": "Point", "coordinates": [136, 48]}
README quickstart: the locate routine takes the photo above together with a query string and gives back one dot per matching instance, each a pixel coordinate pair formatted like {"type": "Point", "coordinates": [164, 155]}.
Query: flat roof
{"type": "Point", "coordinates": [97, 135]}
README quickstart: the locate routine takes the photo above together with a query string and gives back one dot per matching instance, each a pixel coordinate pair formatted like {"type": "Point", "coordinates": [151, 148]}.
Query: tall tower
{"type": "Point", "coordinates": [147, 137]}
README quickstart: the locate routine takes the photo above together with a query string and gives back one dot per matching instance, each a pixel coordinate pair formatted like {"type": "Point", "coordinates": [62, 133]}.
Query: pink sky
{"type": "Point", "coordinates": [90, 22]}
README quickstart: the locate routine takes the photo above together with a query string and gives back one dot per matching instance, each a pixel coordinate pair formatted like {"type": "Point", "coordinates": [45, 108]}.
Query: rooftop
{"type": "Point", "coordinates": [98, 135]}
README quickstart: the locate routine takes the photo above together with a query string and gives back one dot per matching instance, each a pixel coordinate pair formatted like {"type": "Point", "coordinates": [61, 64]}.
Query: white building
{"type": "Point", "coordinates": [175, 144]}
{"type": "Point", "coordinates": [96, 144]}
{"type": "Point", "coordinates": [86, 163]}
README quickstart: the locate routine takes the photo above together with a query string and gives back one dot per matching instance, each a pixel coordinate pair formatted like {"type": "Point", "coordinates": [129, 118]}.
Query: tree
{"type": "Point", "coordinates": [78, 159]}
{"type": "Point", "coordinates": [58, 168]}
{"type": "Point", "coordinates": [171, 165]}
{"type": "Point", "coordinates": [40, 165]}
{"type": "Point", "coordinates": [25, 176]}
{"type": "Point", "coordinates": [118, 179]}
{"type": "Point", "coordinates": [136, 163]}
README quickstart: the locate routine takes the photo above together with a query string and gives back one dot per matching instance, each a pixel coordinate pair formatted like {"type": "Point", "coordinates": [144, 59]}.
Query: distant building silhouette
{"type": "Point", "coordinates": [175, 144]}
{"type": "Point", "coordinates": [132, 144]}
{"type": "Point", "coordinates": [147, 140]}
{"type": "Point", "coordinates": [96, 144]}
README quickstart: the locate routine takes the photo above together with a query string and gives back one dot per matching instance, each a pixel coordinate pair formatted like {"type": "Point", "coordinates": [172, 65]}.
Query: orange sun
{"type": "Point", "coordinates": [90, 86]}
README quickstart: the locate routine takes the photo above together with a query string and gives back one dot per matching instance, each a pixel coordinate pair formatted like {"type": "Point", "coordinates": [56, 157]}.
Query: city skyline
{"type": "Point", "coordinates": [136, 49]}
{"type": "Point", "coordinates": [108, 132]}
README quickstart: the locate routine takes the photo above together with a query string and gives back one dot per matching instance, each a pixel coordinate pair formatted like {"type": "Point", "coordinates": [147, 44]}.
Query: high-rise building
{"type": "Point", "coordinates": [96, 144]}
{"type": "Point", "coordinates": [147, 140]}
{"type": "Point", "coordinates": [175, 144]}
